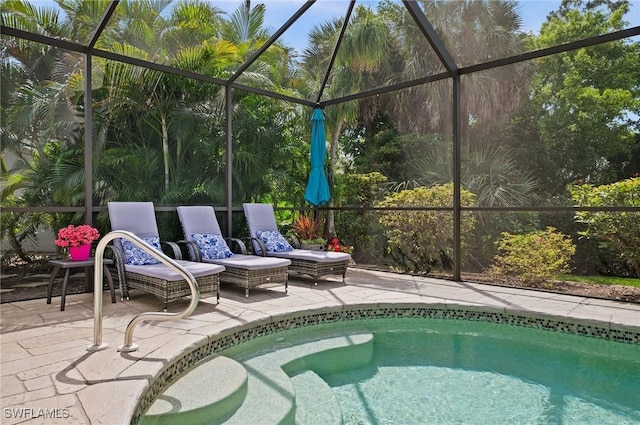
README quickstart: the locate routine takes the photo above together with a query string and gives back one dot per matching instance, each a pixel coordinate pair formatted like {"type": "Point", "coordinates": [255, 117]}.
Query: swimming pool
{"type": "Point", "coordinates": [424, 370]}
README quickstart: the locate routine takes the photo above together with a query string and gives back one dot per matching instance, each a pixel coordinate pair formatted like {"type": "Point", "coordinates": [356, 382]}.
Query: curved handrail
{"type": "Point", "coordinates": [97, 296]}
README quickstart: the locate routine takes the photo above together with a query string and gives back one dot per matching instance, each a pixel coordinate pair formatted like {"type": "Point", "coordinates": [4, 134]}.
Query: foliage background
{"type": "Point", "coordinates": [529, 130]}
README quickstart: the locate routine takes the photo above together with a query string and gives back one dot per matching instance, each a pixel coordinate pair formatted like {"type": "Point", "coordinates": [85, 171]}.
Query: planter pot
{"type": "Point", "coordinates": [313, 247]}
{"type": "Point", "coordinates": [80, 253]}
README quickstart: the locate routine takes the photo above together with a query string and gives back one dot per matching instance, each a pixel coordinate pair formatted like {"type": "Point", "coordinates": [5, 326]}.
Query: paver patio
{"type": "Point", "coordinates": [48, 376]}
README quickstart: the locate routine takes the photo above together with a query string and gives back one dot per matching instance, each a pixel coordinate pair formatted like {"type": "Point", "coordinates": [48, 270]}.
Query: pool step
{"type": "Point", "coordinates": [271, 395]}
{"type": "Point", "coordinates": [316, 403]}
{"type": "Point", "coordinates": [211, 392]}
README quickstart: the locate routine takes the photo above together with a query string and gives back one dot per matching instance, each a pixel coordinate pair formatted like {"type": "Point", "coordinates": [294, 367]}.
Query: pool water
{"type": "Point", "coordinates": [436, 371]}
{"type": "Point", "coordinates": [480, 373]}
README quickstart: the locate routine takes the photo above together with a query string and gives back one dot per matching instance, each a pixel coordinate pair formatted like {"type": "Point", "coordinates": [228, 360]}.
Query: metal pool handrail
{"type": "Point", "coordinates": [97, 292]}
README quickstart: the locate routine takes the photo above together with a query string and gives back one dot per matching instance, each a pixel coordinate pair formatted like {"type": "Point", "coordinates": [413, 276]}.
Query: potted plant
{"type": "Point", "coordinates": [307, 231]}
{"type": "Point", "coordinates": [78, 240]}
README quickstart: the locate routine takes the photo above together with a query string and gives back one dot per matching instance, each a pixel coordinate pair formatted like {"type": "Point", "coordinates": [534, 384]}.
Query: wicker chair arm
{"type": "Point", "coordinates": [294, 241]}
{"type": "Point", "coordinates": [263, 247]}
{"type": "Point", "coordinates": [173, 249]}
{"type": "Point", "coordinates": [193, 250]}
{"type": "Point", "coordinates": [119, 261]}
{"type": "Point", "coordinates": [233, 242]}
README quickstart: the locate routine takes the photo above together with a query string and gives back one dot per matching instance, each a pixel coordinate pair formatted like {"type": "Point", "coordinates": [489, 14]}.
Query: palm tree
{"type": "Point", "coordinates": [246, 25]}
{"type": "Point", "coordinates": [474, 31]}
{"type": "Point", "coordinates": [361, 63]}
{"type": "Point", "coordinates": [165, 104]}
{"type": "Point", "coordinates": [492, 174]}
{"type": "Point", "coordinates": [40, 114]}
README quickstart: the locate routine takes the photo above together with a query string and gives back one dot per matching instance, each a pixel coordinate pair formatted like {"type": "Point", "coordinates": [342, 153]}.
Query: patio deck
{"type": "Point", "coordinates": [46, 370]}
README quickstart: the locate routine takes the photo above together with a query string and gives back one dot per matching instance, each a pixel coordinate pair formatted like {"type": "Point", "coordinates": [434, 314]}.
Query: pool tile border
{"type": "Point", "coordinates": [237, 335]}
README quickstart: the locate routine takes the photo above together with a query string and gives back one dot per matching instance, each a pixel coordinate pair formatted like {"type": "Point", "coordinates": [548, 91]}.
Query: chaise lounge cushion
{"type": "Point", "coordinates": [161, 271]}
{"type": "Point", "coordinates": [316, 256]}
{"type": "Point", "coordinates": [261, 217]}
{"type": "Point", "coordinates": [252, 262]}
{"type": "Point", "coordinates": [161, 280]}
{"type": "Point", "coordinates": [202, 220]}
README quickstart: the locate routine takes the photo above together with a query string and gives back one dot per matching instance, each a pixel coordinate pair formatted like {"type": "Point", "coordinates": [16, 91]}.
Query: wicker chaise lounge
{"type": "Point", "coordinates": [205, 243]}
{"type": "Point", "coordinates": [138, 270]}
{"type": "Point", "coordinates": [261, 219]}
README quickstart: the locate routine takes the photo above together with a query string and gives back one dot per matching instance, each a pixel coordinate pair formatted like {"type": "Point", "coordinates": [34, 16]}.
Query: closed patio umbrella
{"type": "Point", "coordinates": [317, 192]}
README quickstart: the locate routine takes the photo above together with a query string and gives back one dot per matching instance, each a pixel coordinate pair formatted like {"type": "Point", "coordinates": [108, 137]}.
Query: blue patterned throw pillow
{"type": "Point", "coordinates": [136, 256]}
{"type": "Point", "coordinates": [212, 246]}
{"type": "Point", "coordinates": [274, 241]}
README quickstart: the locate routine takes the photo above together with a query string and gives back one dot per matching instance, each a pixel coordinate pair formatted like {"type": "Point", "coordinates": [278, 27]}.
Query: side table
{"type": "Point", "coordinates": [88, 265]}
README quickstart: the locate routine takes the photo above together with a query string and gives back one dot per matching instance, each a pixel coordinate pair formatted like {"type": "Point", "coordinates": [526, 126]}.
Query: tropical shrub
{"type": "Point", "coordinates": [614, 230]}
{"type": "Point", "coordinates": [307, 229]}
{"type": "Point", "coordinates": [534, 256]}
{"type": "Point", "coordinates": [419, 240]}
{"type": "Point", "coordinates": [360, 227]}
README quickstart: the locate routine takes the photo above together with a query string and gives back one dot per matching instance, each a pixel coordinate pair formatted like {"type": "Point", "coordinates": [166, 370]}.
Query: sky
{"type": "Point", "coordinates": [533, 12]}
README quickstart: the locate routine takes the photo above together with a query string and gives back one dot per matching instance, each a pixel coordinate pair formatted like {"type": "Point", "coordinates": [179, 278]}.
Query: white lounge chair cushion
{"type": "Point", "coordinates": [317, 256]}
{"type": "Point", "coordinates": [250, 262]}
{"type": "Point", "coordinates": [212, 246]}
{"type": "Point", "coordinates": [274, 241]}
{"type": "Point", "coordinates": [137, 256]}
{"type": "Point", "coordinates": [161, 271]}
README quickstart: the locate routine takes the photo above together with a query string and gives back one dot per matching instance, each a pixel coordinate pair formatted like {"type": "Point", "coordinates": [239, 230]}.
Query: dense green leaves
{"type": "Point", "coordinates": [584, 104]}
{"type": "Point", "coordinates": [161, 137]}
{"type": "Point", "coordinates": [617, 231]}
{"type": "Point", "coordinates": [534, 256]}
{"type": "Point", "coordinates": [420, 240]}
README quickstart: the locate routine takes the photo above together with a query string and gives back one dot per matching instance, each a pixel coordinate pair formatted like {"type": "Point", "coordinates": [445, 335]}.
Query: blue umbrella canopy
{"type": "Point", "coordinates": [317, 192]}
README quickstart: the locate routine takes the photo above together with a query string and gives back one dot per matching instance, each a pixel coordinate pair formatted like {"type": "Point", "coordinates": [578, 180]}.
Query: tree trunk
{"type": "Point", "coordinates": [16, 246]}
{"type": "Point", "coordinates": [165, 149]}
{"type": "Point", "coordinates": [330, 224]}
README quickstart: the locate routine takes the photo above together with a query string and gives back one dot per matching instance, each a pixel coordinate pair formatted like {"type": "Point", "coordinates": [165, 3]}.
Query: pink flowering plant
{"type": "Point", "coordinates": [74, 236]}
